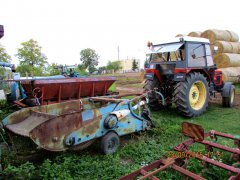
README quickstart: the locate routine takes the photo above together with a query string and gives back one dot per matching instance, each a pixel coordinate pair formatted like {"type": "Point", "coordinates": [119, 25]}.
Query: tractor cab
{"type": "Point", "coordinates": [182, 54]}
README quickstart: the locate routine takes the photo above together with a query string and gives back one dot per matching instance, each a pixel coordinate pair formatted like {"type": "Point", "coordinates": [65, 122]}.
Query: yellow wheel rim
{"type": "Point", "coordinates": [197, 95]}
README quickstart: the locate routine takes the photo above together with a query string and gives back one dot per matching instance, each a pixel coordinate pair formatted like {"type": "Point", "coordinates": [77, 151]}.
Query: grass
{"type": "Point", "coordinates": [237, 87]}
{"type": "Point", "coordinates": [136, 151]}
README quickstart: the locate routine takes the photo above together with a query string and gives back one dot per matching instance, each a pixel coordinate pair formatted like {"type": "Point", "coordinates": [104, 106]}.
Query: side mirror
{"type": "Point", "coordinates": [215, 49]}
{"type": "Point", "coordinates": [147, 65]}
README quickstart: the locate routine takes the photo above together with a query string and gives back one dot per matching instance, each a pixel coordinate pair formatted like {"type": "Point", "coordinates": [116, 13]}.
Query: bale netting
{"type": "Point", "coordinates": [220, 35]}
{"type": "Point", "coordinates": [231, 74]}
{"type": "Point", "coordinates": [227, 60]}
{"type": "Point", "coordinates": [227, 47]}
{"type": "Point", "coordinates": [195, 34]}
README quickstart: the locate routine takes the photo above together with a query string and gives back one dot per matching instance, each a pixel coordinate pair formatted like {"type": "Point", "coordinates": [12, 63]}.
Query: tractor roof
{"type": "Point", "coordinates": [185, 38]}
{"type": "Point", "coordinates": [193, 39]}
{"type": "Point", "coordinates": [175, 44]}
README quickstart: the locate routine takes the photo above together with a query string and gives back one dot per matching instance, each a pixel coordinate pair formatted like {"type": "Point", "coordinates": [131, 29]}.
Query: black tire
{"type": "Point", "coordinates": [153, 99]}
{"type": "Point", "coordinates": [229, 101]}
{"type": "Point", "coordinates": [182, 93]}
{"type": "Point", "coordinates": [109, 143]}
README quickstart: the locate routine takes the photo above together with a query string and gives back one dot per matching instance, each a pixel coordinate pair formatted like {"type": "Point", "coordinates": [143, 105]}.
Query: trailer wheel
{"type": "Point", "coordinates": [153, 99]}
{"type": "Point", "coordinates": [109, 143]}
{"type": "Point", "coordinates": [192, 95]}
{"type": "Point", "coordinates": [228, 95]}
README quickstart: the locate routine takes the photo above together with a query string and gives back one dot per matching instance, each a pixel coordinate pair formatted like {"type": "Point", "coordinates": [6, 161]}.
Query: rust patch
{"type": "Point", "coordinates": [128, 130]}
{"type": "Point", "coordinates": [24, 127]}
{"type": "Point", "coordinates": [125, 119]}
{"type": "Point", "coordinates": [51, 134]}
{"type": "Point", "coordinates": [92, 127]}
{"type": "Point", "coordinates": [193, 131]}
{"type": "Point", "coordinates": [19, 116]}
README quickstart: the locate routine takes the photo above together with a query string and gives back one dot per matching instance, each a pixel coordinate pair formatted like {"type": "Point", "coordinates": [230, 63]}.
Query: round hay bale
{"type": "Point", "coordinates": [231, 74]}
{"type": "Point", "coordinates": [195, 34]}
{"type": "Point", "coordinates": [220, 35]}
{"type": "Point", "coordinates": [227, 47]}
{"type": "Point", "coordinates": [179, 35]}
{"type": "Point", "coordinates": [227, 60]}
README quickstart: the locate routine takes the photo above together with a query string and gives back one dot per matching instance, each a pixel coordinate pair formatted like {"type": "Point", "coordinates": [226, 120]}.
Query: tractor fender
{"type": "Point", "coordinates": [226, 90]}
{"type": "Point", "coordinates": [151, 73]}
{"type": "Point", "coordinates": [149, 76]}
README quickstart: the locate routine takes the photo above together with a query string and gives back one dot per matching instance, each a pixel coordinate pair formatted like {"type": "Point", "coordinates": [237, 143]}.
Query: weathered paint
{"type": "Point", "coordinates": [125, 125]}
{"type": "Point", "coordinates": [61, 89]}
{"type": "Point", "coordinates": [61, 126]}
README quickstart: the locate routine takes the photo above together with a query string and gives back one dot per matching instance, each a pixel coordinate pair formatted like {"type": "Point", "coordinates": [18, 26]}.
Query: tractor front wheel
{"type": "Point", "coordinates": [192, 95]}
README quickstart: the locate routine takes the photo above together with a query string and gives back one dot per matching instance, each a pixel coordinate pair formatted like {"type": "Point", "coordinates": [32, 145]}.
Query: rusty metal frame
{"type": "Point", "coordinates": [148, 172]}
{"type": "Point", "coordinates": [197, 135]}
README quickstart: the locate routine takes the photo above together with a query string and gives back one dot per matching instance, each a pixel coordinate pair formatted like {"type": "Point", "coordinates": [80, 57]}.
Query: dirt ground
{"type": "Point", "coordinates": [218, 99]}
{"type": "Point", "coordinates": [138, 88]}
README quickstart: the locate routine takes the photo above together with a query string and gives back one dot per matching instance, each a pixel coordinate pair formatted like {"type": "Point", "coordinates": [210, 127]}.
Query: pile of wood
{"type": "Point", "coordinates": [228, 56]}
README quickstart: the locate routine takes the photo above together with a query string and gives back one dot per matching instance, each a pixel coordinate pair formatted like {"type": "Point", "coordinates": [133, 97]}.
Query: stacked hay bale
{"type": "Point", "coordinates": [195, 34]}
{"type": "Point", "coordinates": [179, 35]}
{"type": "Point", "coordinates": [228, 56]}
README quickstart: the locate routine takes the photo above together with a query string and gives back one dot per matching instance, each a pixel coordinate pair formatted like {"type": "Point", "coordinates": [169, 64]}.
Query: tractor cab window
{"type": "Point", "coordinates": [196, 55]}
{"type": "Point", "coordinates": [168, 52]}
{"type": "Point", "coordinates": [209, 55]}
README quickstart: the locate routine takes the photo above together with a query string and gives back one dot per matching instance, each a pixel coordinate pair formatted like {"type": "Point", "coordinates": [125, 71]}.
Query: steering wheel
{"type": "Point", "coordinates": [36, 92]}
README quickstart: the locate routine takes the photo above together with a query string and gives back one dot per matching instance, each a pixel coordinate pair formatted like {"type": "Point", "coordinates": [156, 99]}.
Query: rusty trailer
{"type": "Point", "coordinates": [56, 90]}
{"type": "Point", "coordinates": [77, 124]}
{"type": "Point", "coordinates": [179, 162]}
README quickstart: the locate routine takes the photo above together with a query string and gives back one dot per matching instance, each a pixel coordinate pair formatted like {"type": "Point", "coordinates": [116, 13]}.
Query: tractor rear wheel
{"type": "Point", "coordinates": [153, 99]}
{"type": "Point", "coordinates": [192, 95]}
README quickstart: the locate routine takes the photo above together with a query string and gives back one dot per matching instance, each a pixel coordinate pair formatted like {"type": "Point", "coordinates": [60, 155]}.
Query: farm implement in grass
{"type": "Point", "coordinates": [178, 160]}
{"type": "Point", "coordinates": [77, 124]}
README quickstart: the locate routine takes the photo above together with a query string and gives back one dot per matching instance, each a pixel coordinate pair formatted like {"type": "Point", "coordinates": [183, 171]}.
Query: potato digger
{"type": "Point", "coordinates": [184, 72]}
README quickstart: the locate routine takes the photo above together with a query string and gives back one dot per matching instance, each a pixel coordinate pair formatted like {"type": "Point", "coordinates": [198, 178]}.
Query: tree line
{"type": "Point", "coordinates": [34, 62]}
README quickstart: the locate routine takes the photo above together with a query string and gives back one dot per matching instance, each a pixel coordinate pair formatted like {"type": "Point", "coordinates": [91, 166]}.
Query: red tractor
{"type": "Point", "coordinates": [183, 72]}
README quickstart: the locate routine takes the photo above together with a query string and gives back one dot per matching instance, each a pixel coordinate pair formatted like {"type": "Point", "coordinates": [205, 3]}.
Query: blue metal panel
{"type": "Point", "coordinates": [129, 124]}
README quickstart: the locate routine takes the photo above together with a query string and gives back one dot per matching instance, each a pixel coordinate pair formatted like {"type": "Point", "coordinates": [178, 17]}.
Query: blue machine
{"type": "Point", "coordinates": [77, 124]}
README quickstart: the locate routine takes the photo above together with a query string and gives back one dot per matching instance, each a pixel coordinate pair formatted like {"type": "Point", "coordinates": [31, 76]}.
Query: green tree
{"type": "Point", "coordinates": [115, 65]}
{"type": "Point", "coordinates": [134, 65]}
{"type": "Point", "coordinates": [31, 58]}
{"type": "Point", "coordinates": [53, 69]}
{"type": "Point", "coordinates": [31, 54]}
{"type": "Point", "coordinates": [4, 57]}
{"type": "Point", "coordinates": [30, 70]}
{"type": "Point", "coordinates": [81, 70]}
{"type": "Point", "coordinates": [89, 58]}
{"type": "Point", "coordinates": [101, 69]}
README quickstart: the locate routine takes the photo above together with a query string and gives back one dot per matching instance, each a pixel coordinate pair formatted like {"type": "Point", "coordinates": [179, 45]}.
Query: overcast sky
{"type": "Point", "coordinates": [64, 27]}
